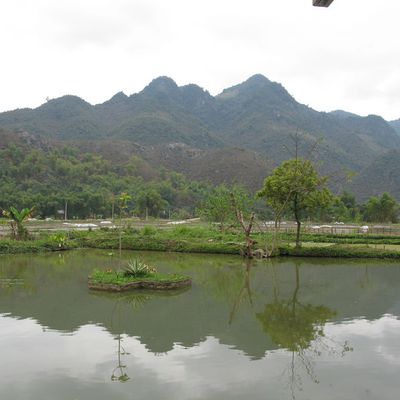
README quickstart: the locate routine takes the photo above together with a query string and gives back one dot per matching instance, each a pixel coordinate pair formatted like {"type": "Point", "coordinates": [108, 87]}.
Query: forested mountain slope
{"type": "Point", "coordinates": [395, 125]}
{"type": "Point", "coordinates": [238, 135]}
{"type": "Point", "coordinates": [382, 175]}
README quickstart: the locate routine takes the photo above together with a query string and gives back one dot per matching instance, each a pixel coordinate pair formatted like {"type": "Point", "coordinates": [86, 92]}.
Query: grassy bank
{"type": "Point", "coordinates": [45, 244]}
{"type": "Point", "coordinates": [357, 238]}
{"type": "Point", "coordinates": [187, 240]}
{"type": "Point", "coordinates": [201, 239]}
{"type": "Point", "coordinates": [205, 240]}
{"type": "Point", "coordinates": [339, 251]}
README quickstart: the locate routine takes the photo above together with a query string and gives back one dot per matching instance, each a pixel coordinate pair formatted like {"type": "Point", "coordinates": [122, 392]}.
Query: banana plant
{"type": "Point", "coordinates": [18, 218]}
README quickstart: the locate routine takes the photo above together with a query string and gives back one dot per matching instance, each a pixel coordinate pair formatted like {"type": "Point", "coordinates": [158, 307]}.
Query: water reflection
{"type": "Point", "coordinates": [365, 281]}
{"type": "Point", "coordinates": [226, 301]}
{"type": "Point", "coordinates": [134, 300]}
{"type": "Point", "coordinates": [124, 307]}
{"type": "Point", "coordinates": [242, 330]}
{"type": "Point", "coordinates": [299, 328]}
{"type": "Point", "coordinates": [119, 374]}
{"type": "Point", "coordinates": [292, 324]}
{"type": "Point", "coordinates": [244, 292]}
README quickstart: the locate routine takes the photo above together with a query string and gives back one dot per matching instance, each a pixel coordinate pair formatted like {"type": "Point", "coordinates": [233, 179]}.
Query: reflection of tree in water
{"type": "Point", "coordinates": [134, 300]}
{"type": "Point", "coordinates": [16, 277]}
{"type": "Point", "coordinates": [365, 281]}
{"type": "Point", "coordinates": [298, 328]}
{"type": "Point", "coordinates": [118, 373]}
{"type": "Point", "coordinates": [244, 292]}
{"type": "Point", "coordinates": [293, 325]}
{"type": "Point", "coordinates": [221, 282]}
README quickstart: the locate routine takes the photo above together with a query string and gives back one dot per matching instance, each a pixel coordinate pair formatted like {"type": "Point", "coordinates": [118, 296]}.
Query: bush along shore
{"type": "Point", "coordinates": [340, 251]}
{"type": "Point", "coordinates": [9, 246]}
{"type": "Point", "coordinates": [199, 239]}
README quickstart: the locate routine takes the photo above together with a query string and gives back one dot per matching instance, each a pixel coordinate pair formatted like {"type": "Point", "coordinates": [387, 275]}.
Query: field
{"type": "Point", "coordinates": [196, 237]}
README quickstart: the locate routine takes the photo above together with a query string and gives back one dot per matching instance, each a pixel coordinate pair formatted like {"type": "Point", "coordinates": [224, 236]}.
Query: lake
{"type": "Point", "coordinates": [279, 329]}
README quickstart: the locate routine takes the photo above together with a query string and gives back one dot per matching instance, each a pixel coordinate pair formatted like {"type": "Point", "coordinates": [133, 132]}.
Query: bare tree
{"type": "Point", "coordinates": [246, 227]}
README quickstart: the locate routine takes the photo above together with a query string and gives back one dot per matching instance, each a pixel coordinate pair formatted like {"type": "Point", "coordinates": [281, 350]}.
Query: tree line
{"type": "Point", "coordinates": [297, 192]}
{"type": "Point", "coordinates": [90, 187]}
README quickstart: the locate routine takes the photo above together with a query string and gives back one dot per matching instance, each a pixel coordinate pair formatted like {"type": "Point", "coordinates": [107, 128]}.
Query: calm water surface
{"type": "Point", "coordinates": [286, 329]}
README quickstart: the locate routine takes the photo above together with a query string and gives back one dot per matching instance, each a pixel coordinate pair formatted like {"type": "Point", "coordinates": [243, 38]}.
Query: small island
{"type": "Point", "coordinates": [137, 275]}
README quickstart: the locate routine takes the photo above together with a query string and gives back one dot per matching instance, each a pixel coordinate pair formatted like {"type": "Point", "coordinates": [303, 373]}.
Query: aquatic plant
{"type": "Point", "coordinates": [137, 268]}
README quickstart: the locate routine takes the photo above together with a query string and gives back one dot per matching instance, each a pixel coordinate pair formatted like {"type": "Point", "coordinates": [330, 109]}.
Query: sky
{"type": "Point", "coordinates": [346, 56]}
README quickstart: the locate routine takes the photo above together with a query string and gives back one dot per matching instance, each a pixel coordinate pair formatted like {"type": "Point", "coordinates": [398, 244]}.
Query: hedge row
{"type": "Point", "coordinates": [338, 251]}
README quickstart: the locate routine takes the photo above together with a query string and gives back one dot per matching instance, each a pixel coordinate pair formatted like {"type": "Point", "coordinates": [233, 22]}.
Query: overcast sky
{"type": "Point", "coordinates": [346, 56]}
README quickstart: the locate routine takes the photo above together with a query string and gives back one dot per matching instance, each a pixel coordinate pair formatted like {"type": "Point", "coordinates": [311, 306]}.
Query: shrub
{"type": "Point", "coordinates": [136, 269]}
{"type": "Point", "coordinates": [60, 240]}
{"type": "Point", "coordinates": [149, 230]}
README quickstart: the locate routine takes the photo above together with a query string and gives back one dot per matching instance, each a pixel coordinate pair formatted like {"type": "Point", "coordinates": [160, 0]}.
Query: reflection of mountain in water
{"type": "Point", "coordinates": [56, 295]}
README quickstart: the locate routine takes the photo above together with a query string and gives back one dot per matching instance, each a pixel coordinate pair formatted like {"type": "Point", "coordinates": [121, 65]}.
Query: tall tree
{"type": "Point", "coordinates": [296, 186]}
{"type": "Point", "coordinates": [218, 206]}
{"type": "Point", "coordinates": [150, 202]}
{"type": "Point", "coordinates": [381, 209]}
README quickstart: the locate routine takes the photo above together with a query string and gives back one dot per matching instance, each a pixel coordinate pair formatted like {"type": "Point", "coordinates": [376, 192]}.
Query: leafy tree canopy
{"type": "Point", "coordinates": [381, 209]}
{"type": "Point", "coordinates": [296, 186]}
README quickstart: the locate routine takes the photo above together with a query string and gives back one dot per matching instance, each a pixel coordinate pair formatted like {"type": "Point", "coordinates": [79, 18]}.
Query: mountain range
{"type": "Point", "coordinates": [236, 136]}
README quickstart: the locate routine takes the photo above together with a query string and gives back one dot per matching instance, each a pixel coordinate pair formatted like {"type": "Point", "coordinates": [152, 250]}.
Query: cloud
{"type": "Point", "coordinates": [342, 57]}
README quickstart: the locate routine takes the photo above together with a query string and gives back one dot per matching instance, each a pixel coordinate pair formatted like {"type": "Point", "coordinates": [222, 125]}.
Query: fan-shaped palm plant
{"type": "Point", "coordinates": [18, 218]}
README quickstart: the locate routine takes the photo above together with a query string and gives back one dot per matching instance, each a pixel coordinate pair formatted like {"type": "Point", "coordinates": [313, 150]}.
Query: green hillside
{"type": "Point", "coordinates": [45, 176]}
{"type": "Point", "coordinates": [382, 175]}
{"type": "Point", "coordinates": [237, 136]}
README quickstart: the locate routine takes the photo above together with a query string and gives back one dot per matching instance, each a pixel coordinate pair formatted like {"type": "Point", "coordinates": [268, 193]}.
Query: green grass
{"type": "Point", "coordinates": [193, 240]}
{"type": "Point", "coordinates": [9, 246]}
{"type": "Point", "coordinates": [345, 239]}
{"type": "Point", "coordinates": [205, 239]}
{"type": "Point", "coordinates": [339, 251]}
{"type": "Point", "coordinates": [201, 239]}
{"type": "Point", "coordinates": [119, 278]}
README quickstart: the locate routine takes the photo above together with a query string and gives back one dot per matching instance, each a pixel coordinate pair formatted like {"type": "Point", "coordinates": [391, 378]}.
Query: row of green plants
{"type": "Point", "coordinates": [162, 240]}
{"type": "Point", "coordinates": [339, 251]}
{"type": "Point", "coordinates": [358, 238]}
{"type": "Point", "coordinates": [201, 239]}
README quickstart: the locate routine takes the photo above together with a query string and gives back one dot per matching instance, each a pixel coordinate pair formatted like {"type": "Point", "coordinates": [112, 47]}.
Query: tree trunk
{"type": "Point", "coordinates": [20, 231]}
{"type": "Point", "coordinates": [298, 222]}
{"type": "Point", "coordinates": [249, 245]}
{"type": "Point", "coordinates": [246, 229]}
{"type": "Point", "coordinates": [298, 244]}
{"type": "Point", "coordinates": [13, 230]}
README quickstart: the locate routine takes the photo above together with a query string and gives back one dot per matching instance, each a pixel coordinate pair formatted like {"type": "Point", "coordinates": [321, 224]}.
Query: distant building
{"type": "Point", "coordinates": [322, 3]}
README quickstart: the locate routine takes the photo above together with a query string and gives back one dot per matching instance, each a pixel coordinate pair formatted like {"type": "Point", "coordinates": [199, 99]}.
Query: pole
{"type": "Point", "coordinates": [66, 210]}
{"type": "Point", "coordinates": [112, 208]}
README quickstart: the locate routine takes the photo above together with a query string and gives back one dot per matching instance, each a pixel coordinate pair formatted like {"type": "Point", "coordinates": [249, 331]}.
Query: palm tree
{"type": "Point", "coordinates": [18, 218]}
